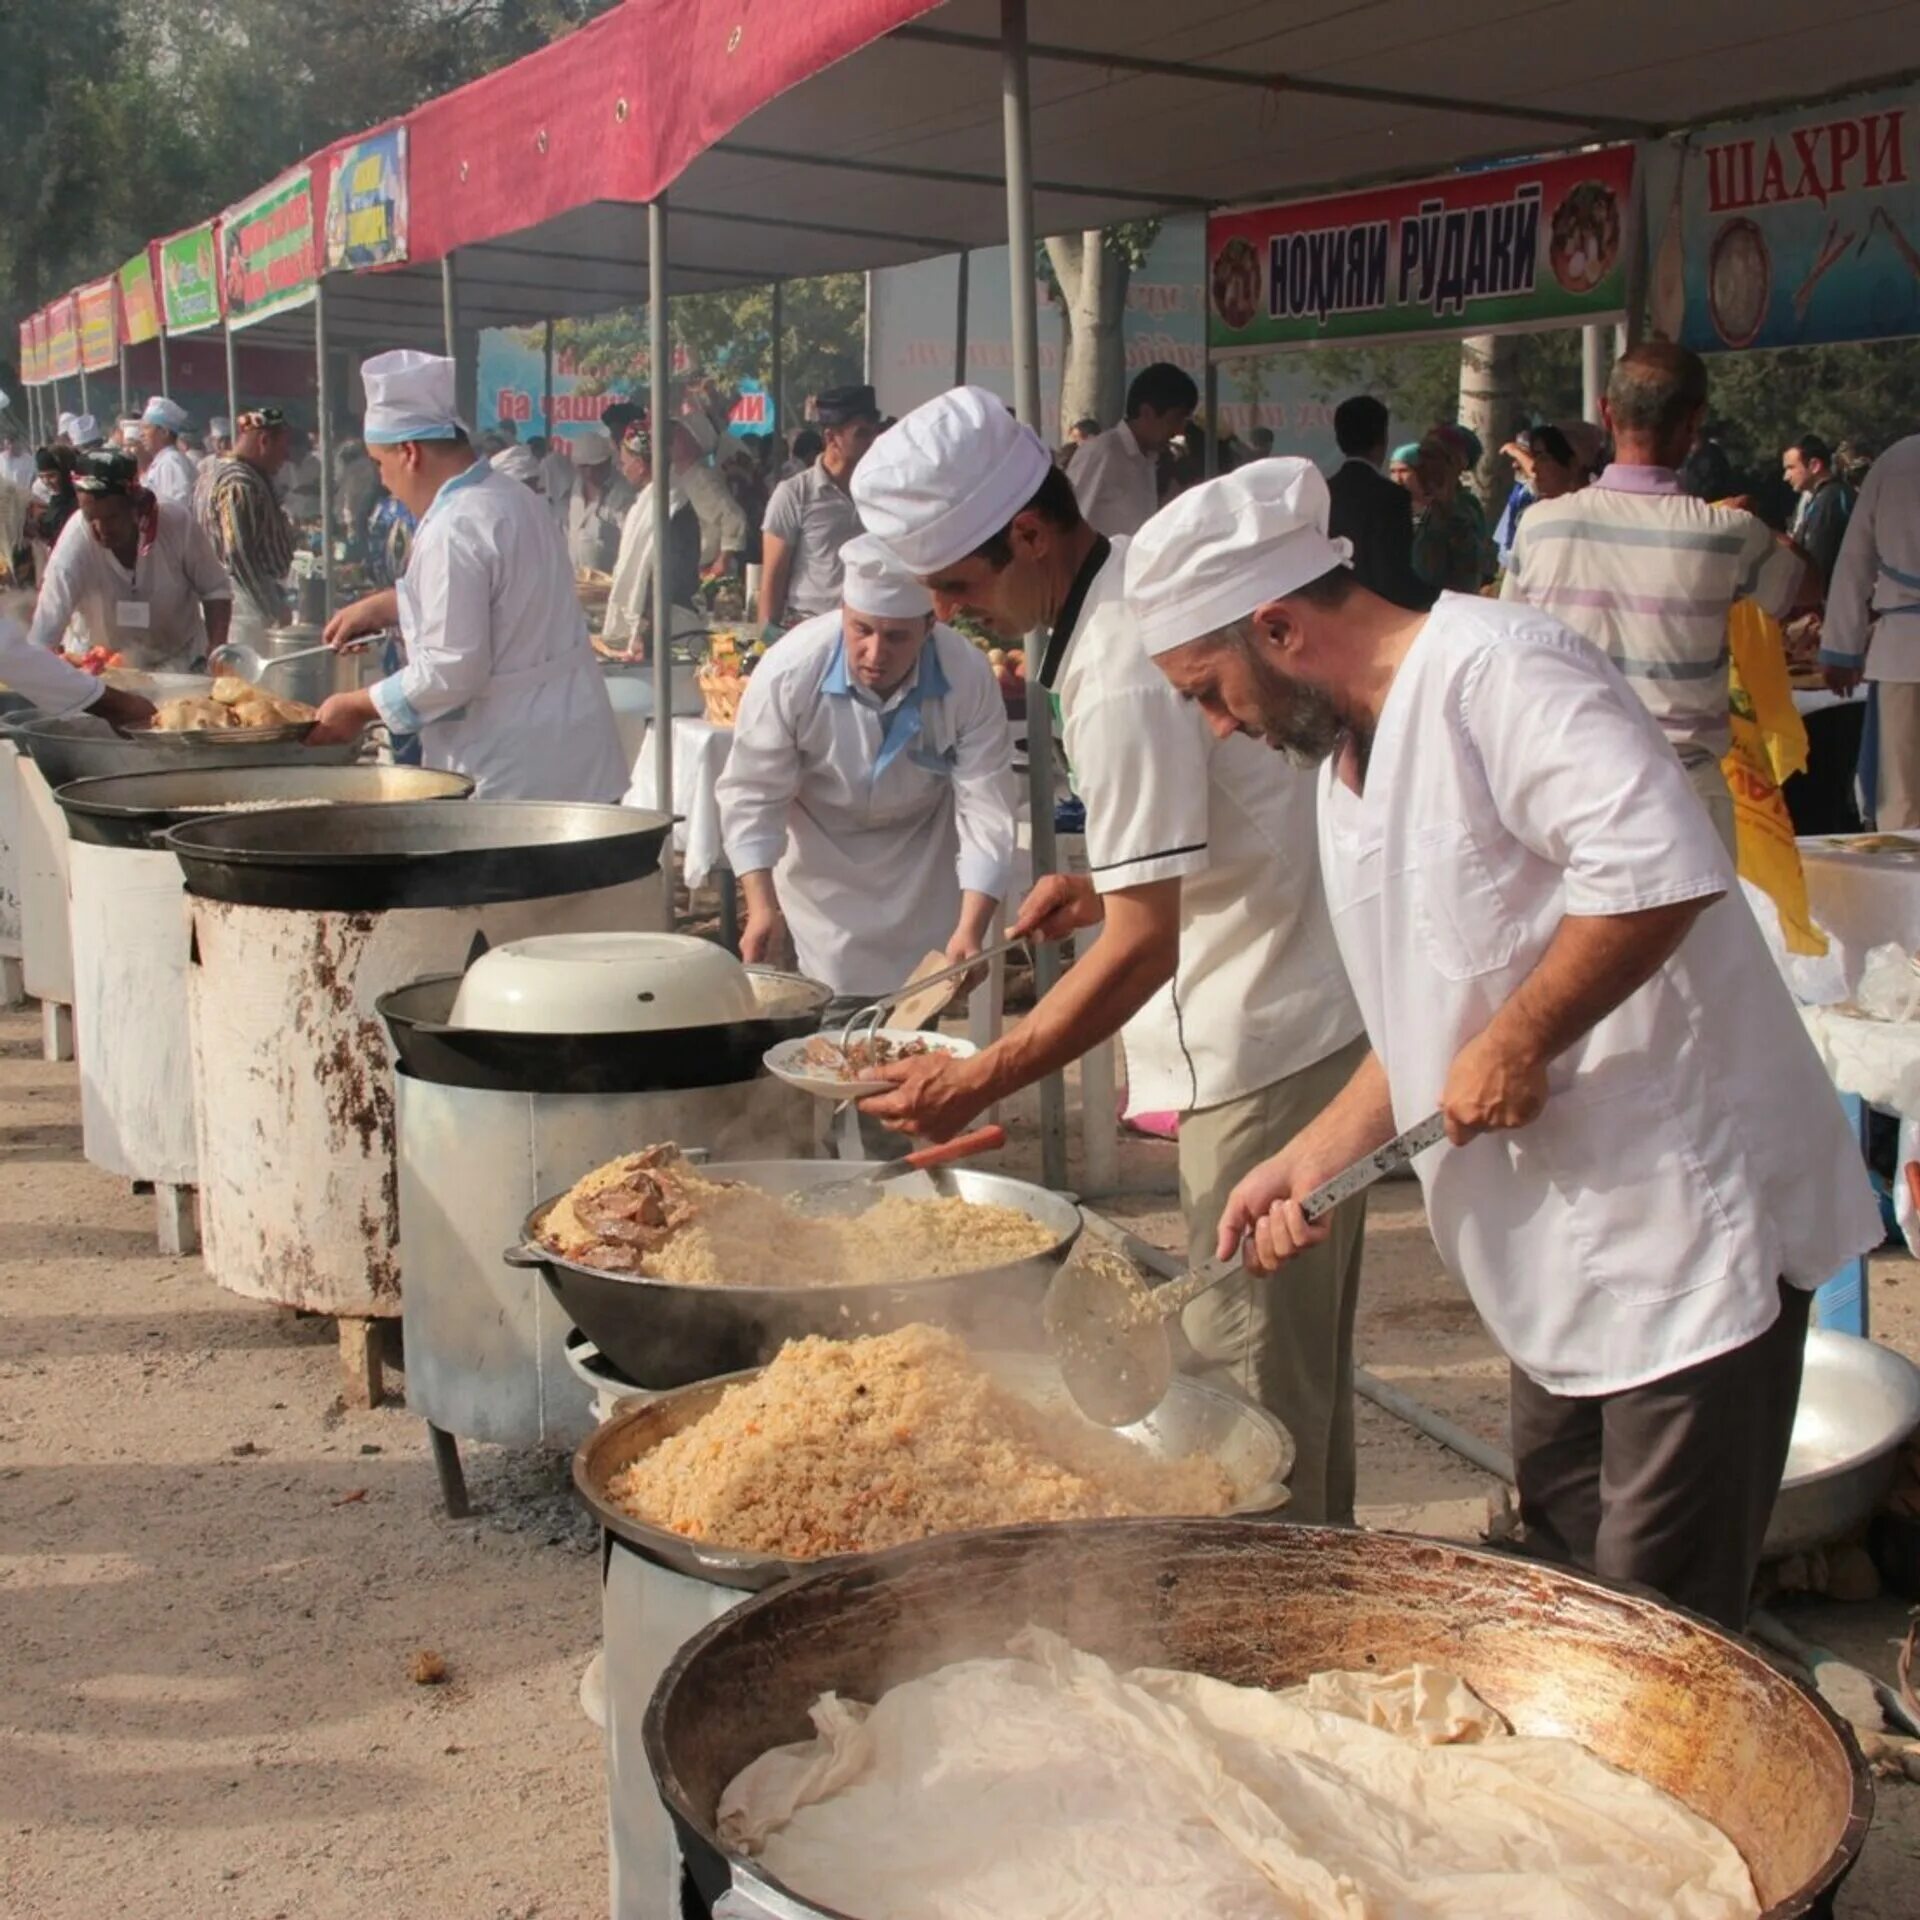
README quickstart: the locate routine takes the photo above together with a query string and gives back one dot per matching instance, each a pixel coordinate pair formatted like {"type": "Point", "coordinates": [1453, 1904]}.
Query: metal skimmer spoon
{"type": "Point", "coordinates": [1108, 1328]}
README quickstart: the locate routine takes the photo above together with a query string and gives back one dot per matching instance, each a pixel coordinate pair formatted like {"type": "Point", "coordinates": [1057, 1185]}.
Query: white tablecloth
{"type": "Point", "coordinates": [700, 751]}
{"type": "Point", "coordinates": [1862, 901]}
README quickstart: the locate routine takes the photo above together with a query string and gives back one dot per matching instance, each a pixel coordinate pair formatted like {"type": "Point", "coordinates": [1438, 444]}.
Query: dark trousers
{"type": "Point", "coordinates": [1669, 1485]}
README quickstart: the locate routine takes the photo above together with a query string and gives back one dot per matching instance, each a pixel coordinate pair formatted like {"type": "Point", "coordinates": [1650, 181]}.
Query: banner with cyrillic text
{"type": "Point", "coordinates": [1544, 243]}
{"type": "Point", "coordinates": [99, 326]}
{"type": "Point", "coordinates": [189, 282]}
{"type": "Point", "coordinates": [63, 337]}
{"type": "Point", "coordinates": [367, 203]}
{"type": "Point", "coordinates": [1799, 229]}
{"type": "Point", "coordinates": [267, 261]}
{"type": "Point", "coordinates": [139, 306]}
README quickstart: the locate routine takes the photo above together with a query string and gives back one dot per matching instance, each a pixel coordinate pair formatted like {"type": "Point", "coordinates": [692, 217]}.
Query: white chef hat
{"type": "Point", "coordinates": [591, 447]}
{"type": "Point", "coordinates": [410, 396]}
{"type": "Point", "coordinates": [162, 412]}
{"type": "Point", "coordinates": [81, 428]}
{"type": "Point", "coordinates": [1227, 546]}
{"type": "Point", "coordinates": [947, 478]}
{"type": "Point", "coordinates": [700, 429]}
{"type": "Point", "coordinates": [873, 582]}
{"type": "Point", "coordinates": [128, 424]}
{"type": "Point", "coordinates": [65, 424]}
{"type": "Point", "coordinates": [518, 463]}
{"type": "Point", "coordinates": [220, 427]}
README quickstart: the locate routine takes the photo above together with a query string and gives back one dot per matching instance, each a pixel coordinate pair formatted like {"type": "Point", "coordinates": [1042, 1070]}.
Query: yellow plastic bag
{"type": "Point", "coordinates": [1769, 747]}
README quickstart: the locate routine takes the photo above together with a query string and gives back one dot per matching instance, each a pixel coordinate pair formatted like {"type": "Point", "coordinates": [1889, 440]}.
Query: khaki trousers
{"type": "Point", "coordinates": [1897, 802]}
{"type": "Point", "coordinates": [1671, 1484]}
{"type": "Point", "coordinates": [1710, 783]}
{"type": "Point", "coordinates": [1283, 1340]}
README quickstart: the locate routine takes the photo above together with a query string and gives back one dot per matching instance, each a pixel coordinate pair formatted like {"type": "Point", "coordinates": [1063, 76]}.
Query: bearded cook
{"type": "Point", "coordinates": [1646, 1171]}
{"type": "Point", "coordinates": [867, 800]}
{"type": "Point", "coordinates": [1204, 873]}
{"type": "Point", "coordinates": [500, 681]}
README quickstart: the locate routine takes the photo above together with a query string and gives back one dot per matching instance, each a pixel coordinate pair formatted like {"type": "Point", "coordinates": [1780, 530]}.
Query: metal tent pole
{"type": "Point", "coordinates": [233, 377]}
{"type": "Point", "coordinates": [1018, 128]}
{"type": "Point", "coordinates": [323, 413]}
{"type": "Point", "coordinates": [660, 413]}
{"type": "Point", "coordinates": [1593, 371]}
{"type": "Point", "coordinates": [866, 328]}
{"type": "Point", "coordinates": [166, 384]}
{"type": "Point", "coordinates": [449, 305]}
{"type": "Point", "coordinates": [125, 409]}
{"type": "Point", "coordinates": [960, 321]}
{"type": "Point", "coordinates": [779, 367]}
{"type": "Point", "coordinates": [546, 397]}
{"type": "Point", "coordinates": [86, 405]}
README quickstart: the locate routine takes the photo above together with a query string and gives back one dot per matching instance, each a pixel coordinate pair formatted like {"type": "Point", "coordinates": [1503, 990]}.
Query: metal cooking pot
{"type": "Point", "coordinates": [1254, 1448]}
{"type": "Point", "coordinates": [319, 674]}
{"type": "Point", "coordinates": [69, 747]}
{"type": "Point", "coordinates": [374, 859]}
{"type": "Point", "coordinates": [132, 810]}
{"type": "Point", "coordinates": [662, 1335]}
{"type": "Point", "coordinates": [419, 1017]}
{"type": "Point", "coordinates": [1663, 1695]}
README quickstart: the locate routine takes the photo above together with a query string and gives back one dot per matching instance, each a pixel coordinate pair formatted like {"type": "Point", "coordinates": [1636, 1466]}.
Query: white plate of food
{"type": "Point", "coordinates": [815, 1064]}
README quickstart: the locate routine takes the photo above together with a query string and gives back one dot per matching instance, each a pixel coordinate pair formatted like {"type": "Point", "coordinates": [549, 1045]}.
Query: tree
{"type": "Point", "coordinates": [1086, 275]}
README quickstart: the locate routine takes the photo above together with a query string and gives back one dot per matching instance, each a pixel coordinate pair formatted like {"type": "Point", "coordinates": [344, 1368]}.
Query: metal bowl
{"type": "Point", "coordinates": [1666, 1696]}
{"type": "Point", "coordinates": [662, 1335]}
{"type": "Point", "coordinates": [130, 810]}
{"type": "Point", "coordinates": [68, 747]}
{"type": "Point", "coordinates": [1253, 1447]}
{"type": "Point", "coordinates": [1858, 1403]}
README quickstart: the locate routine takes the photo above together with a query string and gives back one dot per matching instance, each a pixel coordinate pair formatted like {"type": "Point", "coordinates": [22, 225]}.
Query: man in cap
{"type": "Point", "coordinates": [139, 571]}
{"type": "Point", "coordinates": [867, 803]}
{"type": "Point", "coordinates": [168, 472]}
{"type": "Point", "coordinates": [810, 517]}
{"type": "Point", "coordinates": [236, 500]}
{"type": "Point", "coordinates": [219, 437]}
{"type": "Point", "coordinates": [1116, 474]}
{"type": "Point", "coordinates": [597, 503]}
{"type": "Point", "coordinates": [1204, 868]}
{"type": "Point", "coordinates": [1645, 1173]}
{"type": "Point", "coordinates": [629, 616]}
{"type": "Point", "coordinates": [723, 522]}
{"type": "Point", "coordinates": [500, 682]}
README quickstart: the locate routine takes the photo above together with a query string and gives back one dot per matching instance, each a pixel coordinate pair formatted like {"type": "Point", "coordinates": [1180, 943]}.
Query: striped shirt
{"type": "Point", "coordinates": [1648, 574]}
{"type": "Point", "coordinates": [249, 532]}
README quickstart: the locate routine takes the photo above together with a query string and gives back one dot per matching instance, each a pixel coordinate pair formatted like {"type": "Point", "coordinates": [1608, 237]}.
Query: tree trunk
{"type": "Point", "coordinates": [1093, 293]}
{"type": "Point", "coordinates": [1490, 404]}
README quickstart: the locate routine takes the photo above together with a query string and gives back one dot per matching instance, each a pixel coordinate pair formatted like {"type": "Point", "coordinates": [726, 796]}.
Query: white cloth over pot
{"type": "Point", "coordinates": [1048, 1784]}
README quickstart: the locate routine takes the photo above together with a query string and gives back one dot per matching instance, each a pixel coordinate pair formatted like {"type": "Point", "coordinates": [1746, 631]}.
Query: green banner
{"type": "Point", "coordinates": [1538, 244]}
{"type": "Point", "coordinates": [189, 292]}
{"type": "Point", "coordinates": [266, 250]}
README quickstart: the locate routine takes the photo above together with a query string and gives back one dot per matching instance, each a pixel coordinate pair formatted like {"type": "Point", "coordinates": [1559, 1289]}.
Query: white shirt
{"type": "Point", "coordinates": [43, 677]}
{"type": "Point", "coordinates": [1873, 600]}
{"type": "Point", "coordinates": [870, 860]}
{"type": "Point", "coordinates": [1116, 482]}
{"type": "Point", "coordinates": [1692, 1150]}
{"type": "Point", "coordinates": [500, 681]}
{"type": "Point", "coordinates": [1259, 992]}
{"type": "Point", "coordinates": [170, 476]}
{"type": "Point", "coordinates": [630, 599]}
{"type": "Point", "coordinates": [593, 526]}
{"type": "Point", "coordinates": [150, 612]}
{"type": "Point", "coordinates": [723, 521]}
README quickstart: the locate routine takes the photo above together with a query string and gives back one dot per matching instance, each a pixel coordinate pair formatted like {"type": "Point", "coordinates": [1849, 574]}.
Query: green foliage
{"type": "Point", "coordinates": [1421, 384]}
{"type": "Point", "coordinates": [730, 337]}
{"type": "Point", "coordinates": [127, 122]}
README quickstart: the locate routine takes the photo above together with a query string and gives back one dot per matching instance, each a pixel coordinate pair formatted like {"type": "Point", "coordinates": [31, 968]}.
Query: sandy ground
{"type": "Point", "coordinates": [213, 1580]}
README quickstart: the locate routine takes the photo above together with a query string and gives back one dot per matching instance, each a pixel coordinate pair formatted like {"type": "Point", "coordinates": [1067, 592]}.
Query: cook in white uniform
{"type": "Point", "coordinates": [55, 686]}
{"type": "Point", "coordinates": [169, 474]}
{"type": "Point", "coordinates": [867, 800]}
{"type": "Point", "coordinates": [1204, 868]}
{"type": "Point", "coordinates": [1646, 1170]}
{"type": "Point", "coordinates": [139, 572]}
{"type": "Point", "coordinates": [500, 682]}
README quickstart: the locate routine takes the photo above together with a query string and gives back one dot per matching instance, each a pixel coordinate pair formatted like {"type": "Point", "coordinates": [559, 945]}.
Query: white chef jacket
{"type": "Point", "coordinates": [1116, 482]}
{"type": "Point", "coordinates": [43, 677]}
{"type": "Point", "coordinates": [593, 526]}
{"type": "Point", "coordinates": [1259, 992]}
{"type": "Point", "coordinates": [151, 612]}
{"type": "Point", "coordinates": [1692, 1150]}
{"type": "Point", "coordinates": [630, 599]}
{"type": "Point", "coordinates": [500, 682]}
{"type": "Point", "coordinates": [170, 476]}
{"type": "Point", "coordinates": [1873, 600]}
{"type": "Point", "coordinates": [723, 521]}
{"type": "Point", "coordinates": [874, 815]}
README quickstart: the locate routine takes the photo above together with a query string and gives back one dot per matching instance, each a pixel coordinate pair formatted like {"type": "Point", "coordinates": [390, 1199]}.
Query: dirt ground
{"type": "Point", "coordinates": [213, 1580]}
